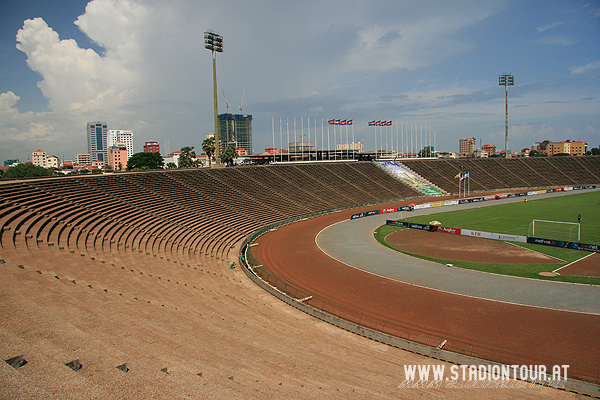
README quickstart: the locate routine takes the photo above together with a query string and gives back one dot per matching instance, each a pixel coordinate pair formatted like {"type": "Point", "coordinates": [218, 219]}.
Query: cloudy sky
{"type": "Point", "coordinates": [141, 65]}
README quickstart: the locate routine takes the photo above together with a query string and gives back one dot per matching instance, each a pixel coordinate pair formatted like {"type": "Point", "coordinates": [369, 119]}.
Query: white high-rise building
{"type": "Point", "coordinates": [121, 136]}
{"type": "Point", "coordinates": [39, 158]}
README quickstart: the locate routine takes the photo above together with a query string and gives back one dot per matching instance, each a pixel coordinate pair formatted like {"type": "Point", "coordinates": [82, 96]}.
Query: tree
{"type": "Point", "coordinates": [145, 161]}
{"type": "Point", "coordinates": [426, 152]}
{"type": "Point", "coordinates": [534, 153]}
{"type": "Point", "coordinates": [171, 165]}
{"type": "Point", "coordinates": [229, 154]}
{"type": "Point", "coordinates": [208, 147]}
{"type": "Point", "coordinates": [186, 157]}
{"type": "Point", "coordinates": [27, 170]}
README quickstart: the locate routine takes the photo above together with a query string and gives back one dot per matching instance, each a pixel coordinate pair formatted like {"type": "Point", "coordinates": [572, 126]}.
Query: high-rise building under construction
{"type": "Point", "coordinates": [236, 130]}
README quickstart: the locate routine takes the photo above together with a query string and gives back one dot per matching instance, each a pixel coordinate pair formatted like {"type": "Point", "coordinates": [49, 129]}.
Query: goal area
{"type": "Point", "coordinates": [557, 230]}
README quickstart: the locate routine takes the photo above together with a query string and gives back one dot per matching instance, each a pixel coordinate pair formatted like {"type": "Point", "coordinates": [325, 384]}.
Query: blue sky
{"type": "Point", "coordinates": [141, 65]}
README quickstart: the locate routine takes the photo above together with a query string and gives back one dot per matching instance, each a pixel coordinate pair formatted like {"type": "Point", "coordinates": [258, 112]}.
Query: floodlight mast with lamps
{"type": "Point", "coordinates": [506, 81]}
{"type": "Point", "coordinates": [214, 42]}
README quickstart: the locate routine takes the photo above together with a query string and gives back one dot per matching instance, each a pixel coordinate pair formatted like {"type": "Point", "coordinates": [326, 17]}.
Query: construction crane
{"type": "Point", "coordinates": [242, 102]}
{"type": "Point", "coordinates": [227, 103]}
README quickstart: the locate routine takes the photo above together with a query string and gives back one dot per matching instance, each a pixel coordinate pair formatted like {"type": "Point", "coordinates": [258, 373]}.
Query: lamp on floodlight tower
{"type": "Point", "coordinates": [214, 42]}
{"type": "Point", "coordinates": [506, 81]}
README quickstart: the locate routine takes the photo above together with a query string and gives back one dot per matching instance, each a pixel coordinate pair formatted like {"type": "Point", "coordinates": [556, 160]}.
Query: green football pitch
{"type": "Point", "coordinates": [516, 218]}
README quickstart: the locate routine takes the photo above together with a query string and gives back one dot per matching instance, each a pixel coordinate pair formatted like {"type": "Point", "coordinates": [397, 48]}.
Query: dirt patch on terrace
{"type": "Point", "coordinates": [463, 248]}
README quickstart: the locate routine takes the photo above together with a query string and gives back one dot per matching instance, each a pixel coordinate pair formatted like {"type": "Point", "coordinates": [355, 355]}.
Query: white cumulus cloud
{"type": "Point", "coordinates": [582, 69]}
{"type": "Point", "coordinates": [71, 76]}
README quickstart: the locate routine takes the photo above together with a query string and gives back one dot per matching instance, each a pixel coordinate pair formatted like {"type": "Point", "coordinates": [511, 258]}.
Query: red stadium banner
{"type": "Point", "coordinates": [446, 229]}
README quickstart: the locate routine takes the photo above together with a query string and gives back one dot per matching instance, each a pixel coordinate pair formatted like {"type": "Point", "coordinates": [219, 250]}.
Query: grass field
{"type": "Point", "coordinates": [515, 218]}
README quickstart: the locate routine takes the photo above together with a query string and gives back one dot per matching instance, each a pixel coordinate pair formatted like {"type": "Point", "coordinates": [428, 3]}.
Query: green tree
{"type": "Point", "coordinates": [229, 154]}
{"type": "Point", "coordinates": [208, 147]}
{"type": "Point", "coordinates": [426, 152]}
{"type": "Point", "coordinates": [145, 161]}
{"type": "Point", "coordinates": [171, 165]}
{"type": "Point", "coordinates": [187, 156]}
{"type": "Point", "coordinates": [26, 171]}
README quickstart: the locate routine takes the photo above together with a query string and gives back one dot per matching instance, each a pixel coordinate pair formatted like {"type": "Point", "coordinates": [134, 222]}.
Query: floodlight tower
{"type": "Point", "coordinates": [506, 81]}
{"type": "Point", "coordinates": [214, 42]}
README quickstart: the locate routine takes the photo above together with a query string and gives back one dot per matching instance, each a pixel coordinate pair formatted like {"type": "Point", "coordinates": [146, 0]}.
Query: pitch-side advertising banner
{"type": "Point", "coordinates": [509, 238]}
{"type": "Point", "coordinates": [446, 229]}
{"type": "Point", "coordinates": [565, 244]}
{"type": "Point", "coordinates": [479, 234]}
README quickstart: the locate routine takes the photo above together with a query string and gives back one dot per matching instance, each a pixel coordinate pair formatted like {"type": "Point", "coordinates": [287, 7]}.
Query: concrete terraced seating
{"type": "Point", "coordinates": [488, 174]}
{"type": "Point", "coordinates": [120, 286]}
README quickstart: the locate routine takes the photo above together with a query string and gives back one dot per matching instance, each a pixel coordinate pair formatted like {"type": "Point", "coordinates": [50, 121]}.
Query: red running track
{"type": "Point", "coordinates": [292, 254]}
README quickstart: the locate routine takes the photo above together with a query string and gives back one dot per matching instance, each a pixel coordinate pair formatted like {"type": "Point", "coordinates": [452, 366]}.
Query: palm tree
{"type": "Point", "coordinates": [208, 146]}
{"type": "Point", "coordinates": [229, 154]}
{"type": "Point", "coordinates": [186, 156]}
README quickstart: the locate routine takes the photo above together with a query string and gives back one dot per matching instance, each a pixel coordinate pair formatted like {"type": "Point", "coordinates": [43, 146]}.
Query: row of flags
{"type": "Point", "coordinates": [461, 177]}
{"type": "Point", "coordinates": [380, 123]}
{"type": "Point", "coordinates": [340, 122]}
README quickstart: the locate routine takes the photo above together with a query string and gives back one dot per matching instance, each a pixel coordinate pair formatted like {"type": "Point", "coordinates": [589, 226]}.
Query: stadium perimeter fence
{"type": "Point", "coordinates": [361, 323]}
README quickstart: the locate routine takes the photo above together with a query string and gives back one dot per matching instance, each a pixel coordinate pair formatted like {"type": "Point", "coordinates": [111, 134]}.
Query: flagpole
{"type": "Point", "coordinates": [392, 140]}
{"type": "Point", "coordinates": [273, 126]}
{"type": "Point", "coordinates": [322, 141]}
{"type": "Point", "coordinates": [335, 142]}
{"type": "Point", "coordinates": [280, 140]}
{"type": "Point", "coordinates": [375, 142]}
{"type": "Point", "coordinates": [411, 140]}
{"type": "Point", "coordinates": [316, 153]}
{"type": "Point", "coordinates": [402, 136]}
{"type": "Point", "coordinates": [353, 152]}
{"type": "Point", "coordinates": [346, 139]}
{"type": "Point", "coordinates": [421, 135]}
{"type": "Point", "coordinates": [386, 139]}
{"type": "Point", "coordinates": [308, 123]}
{"type": "Point", "coordinates": [328, 143]}
{"type": "Point", "coordinates": [381, 138]}
{"type": "Point", "coordinates": [397, 137]}
{"type": "Point", "coordinates": [302, 138]}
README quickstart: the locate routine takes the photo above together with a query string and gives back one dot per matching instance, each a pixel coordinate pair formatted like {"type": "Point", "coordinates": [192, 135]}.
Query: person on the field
{"type": "Point", "coordinates": [579, 218]}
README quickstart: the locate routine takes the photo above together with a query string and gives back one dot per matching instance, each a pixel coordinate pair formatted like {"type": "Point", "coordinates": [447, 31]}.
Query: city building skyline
{"type": "Point", "coordinates": [97, 141]}
{"type": "Point", "coordinates": [117, 156]}
{"type": "Point", "coordinates": [124, 136]}
{"type": "Point", "coordinates": [467, 145]}
{"type": "Point", "coordinates": [152, 146]}
{"type": "Point", "coordinates": [236, 130]}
